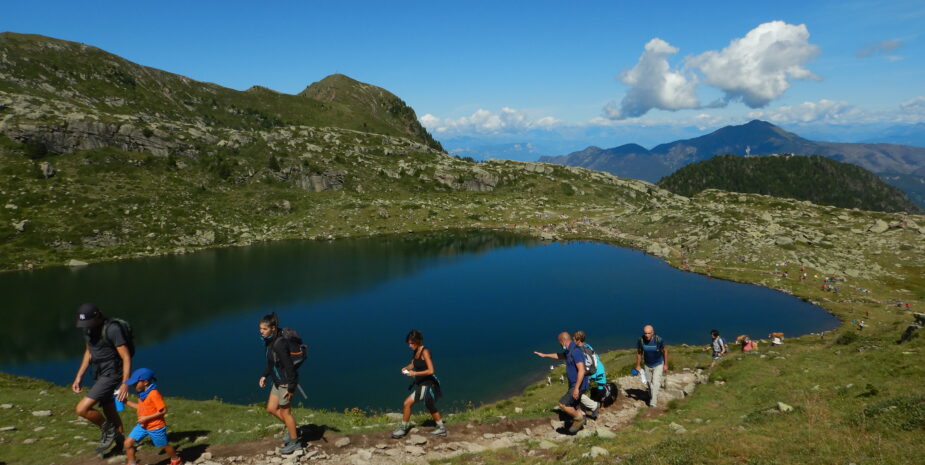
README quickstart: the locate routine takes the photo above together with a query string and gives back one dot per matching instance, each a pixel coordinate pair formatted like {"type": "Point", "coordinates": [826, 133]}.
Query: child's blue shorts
{"type": "Point", "coordinates": [158, 436]}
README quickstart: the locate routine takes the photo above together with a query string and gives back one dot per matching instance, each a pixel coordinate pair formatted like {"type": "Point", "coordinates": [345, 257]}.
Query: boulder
{"type": "Point", "coordinates": [342, 442]}
{"type": "Point", "coordinates": [415, 450]}
{"type": "Point", "coordinates": [678, 429]}
{"type": "Point", "coordinates": [417, 440]}
{"type": "Point", "coordinates": [784, 408]}
{"type": "Point", "coordinates": [879, 226]}
{"type": "Point", "coordinates": [783, 241]}
{"type": "Point", "coordinates": [598, 451]}
{"type": "Point", "coordinates": [76, 263]}
{"type": "Point", "coordinates": [20, 226]}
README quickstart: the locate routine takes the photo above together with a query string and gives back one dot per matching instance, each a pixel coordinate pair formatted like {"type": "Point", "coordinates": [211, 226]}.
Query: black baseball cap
{"type": "Point", "coordinates": [88, 316]}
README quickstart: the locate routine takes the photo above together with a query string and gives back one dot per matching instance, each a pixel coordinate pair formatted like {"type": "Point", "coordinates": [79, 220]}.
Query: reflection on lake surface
{"type": "Point", "coordinates": [483, 300]}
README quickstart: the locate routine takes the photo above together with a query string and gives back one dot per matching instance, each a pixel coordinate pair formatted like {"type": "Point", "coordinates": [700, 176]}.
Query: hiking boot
{"type": "Point", "coordinates": [401, 431]}
{"type": "Point", "coordinates": [290, 447]}
{"type": "Point", "coordinates": [286, 437]}
{"type": "Point", "coordinates": [439, 431]}
{"type": "Point", "coordinates": [576, 425]}
{"type": "Point", "coordinates": [107, 437]}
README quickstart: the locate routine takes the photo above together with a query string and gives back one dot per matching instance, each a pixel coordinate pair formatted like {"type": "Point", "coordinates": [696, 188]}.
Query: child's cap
{"type": "Point", "coordinates": [141, 374]}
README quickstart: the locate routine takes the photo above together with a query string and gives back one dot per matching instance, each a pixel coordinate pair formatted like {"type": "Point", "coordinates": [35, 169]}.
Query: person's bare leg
{"type": "Point", "coordinates": [571, 411]}
{"type": "Point", "coordinates": [406, 409]}
{"type": "Point", "coordinates": [129, 446]}
{"type": "Point", "coordinates": [273, 407]}
{"type": "Point", "coordinates": [285, 414]}
{"type": "Point", "coordinates": [171, 452]}
{"type": "Point", "coordinates": [85, 410]}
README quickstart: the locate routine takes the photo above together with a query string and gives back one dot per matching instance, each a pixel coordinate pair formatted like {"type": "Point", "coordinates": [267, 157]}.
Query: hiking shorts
{"type": "Point", "coordinates": [158, 436]}
{"type": "Point", "coordinates": [425, 393]}
{"type": "Point", "coordinates": [103, 388]}
{"type": "Point", "coordinates": [279, 391]}
{"type": "Point", "coordinates": [569, 401]}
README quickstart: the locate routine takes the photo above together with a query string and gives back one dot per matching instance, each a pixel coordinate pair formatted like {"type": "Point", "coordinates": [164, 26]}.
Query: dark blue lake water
{"type": "Point", "coordinates": [484, 301]}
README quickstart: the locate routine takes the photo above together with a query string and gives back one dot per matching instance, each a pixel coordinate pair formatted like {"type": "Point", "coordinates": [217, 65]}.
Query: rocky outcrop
{"type": "Point", "coordinates": [73, 136]}
{"type": "Point", "coordinates": [912, 330]}
{"type": "Point", "coordinates": [330, 180]}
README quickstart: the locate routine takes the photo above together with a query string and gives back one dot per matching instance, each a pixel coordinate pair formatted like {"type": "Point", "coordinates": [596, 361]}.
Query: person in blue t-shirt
{"type": "Point", "coordinates": [652, 350]}
{"type": "Point", "coordinates": [577, 381]}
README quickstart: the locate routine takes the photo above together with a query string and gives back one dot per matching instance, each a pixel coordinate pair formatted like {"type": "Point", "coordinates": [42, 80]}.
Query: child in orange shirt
{"type": "Point", "coordinates": [151, 411]}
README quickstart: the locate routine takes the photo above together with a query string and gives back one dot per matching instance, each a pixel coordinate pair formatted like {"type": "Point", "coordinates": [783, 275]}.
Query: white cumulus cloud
{"type": "Point", "coordinates": [507, 120]}
{"type": "Point", "coordinates": [758, 68]}
{"type": "Point", "coordinates": [755, 69]}
{"type": "Point", "coordinates": [654, 85]}
{"type": "Point", "coordinates": [914, 105]}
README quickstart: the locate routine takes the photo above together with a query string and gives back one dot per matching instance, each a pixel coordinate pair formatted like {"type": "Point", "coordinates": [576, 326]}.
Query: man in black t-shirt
{"type": "Point", "coordinates": [112, 365]}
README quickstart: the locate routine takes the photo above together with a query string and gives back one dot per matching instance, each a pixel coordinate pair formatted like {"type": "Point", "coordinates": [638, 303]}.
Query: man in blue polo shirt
{"type": "Point", "coordinates": [651, 349]}
{"type": "Point", "coordinates": [577, 381]}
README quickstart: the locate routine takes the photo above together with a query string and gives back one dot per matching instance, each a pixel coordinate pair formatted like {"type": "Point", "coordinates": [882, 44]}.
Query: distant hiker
{"type": "Point", "coordinates": [424, 387]}
{"type": "Point", "coordinates": [110, 348]}
{"type": "Point", "coordinates": [577, 381]}
{"type": "Point", "coordinates": [652, 350]}
{"type": "Point", "coordinates": [151, 410]}
{"type": "Point", "coordinates": [861, 325]}
{"type": "Point", "coordinates": [718, 345]}
{"type": "Point", "coordinates": [284, 350]}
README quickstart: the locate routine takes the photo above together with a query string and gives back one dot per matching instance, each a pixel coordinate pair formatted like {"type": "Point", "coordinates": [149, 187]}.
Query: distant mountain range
{"type": "Point", "coordinates": [818, 179]}
{"type": "Point", "coordinates": [757, 138]}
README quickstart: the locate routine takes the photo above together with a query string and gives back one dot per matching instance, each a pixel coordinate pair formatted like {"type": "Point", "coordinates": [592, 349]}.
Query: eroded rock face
{"type": "Point", "coordinates": [74, 136]}
{"type": "Point", "coordinates": [330, 180]}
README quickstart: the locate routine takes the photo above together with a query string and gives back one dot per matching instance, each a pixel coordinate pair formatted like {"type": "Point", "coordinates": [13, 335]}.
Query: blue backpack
{"type": "Point", "coordinates": [598, 375]}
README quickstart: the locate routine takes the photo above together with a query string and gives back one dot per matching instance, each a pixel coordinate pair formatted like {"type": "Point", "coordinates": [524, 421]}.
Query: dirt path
{"type": "Point", "coordinates": [532, 437]}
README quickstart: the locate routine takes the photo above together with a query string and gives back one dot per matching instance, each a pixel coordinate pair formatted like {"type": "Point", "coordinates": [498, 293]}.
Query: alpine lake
{"type": "Point", "coordinates": [483, 300]}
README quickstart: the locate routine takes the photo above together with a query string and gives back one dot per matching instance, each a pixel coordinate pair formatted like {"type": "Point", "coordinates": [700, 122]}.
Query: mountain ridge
{"type": "Point", "coordinates": [758, 137]}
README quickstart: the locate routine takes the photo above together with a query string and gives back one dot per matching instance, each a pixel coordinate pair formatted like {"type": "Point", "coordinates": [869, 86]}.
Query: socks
{"type": "Point", "coordinates": [405, 424]}
{"type": "Point", "coordinates": [439, 423]}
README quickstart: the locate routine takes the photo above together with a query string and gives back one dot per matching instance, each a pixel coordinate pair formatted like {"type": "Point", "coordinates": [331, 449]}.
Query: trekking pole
{"type": "Point", "coordinates": [301, 390]}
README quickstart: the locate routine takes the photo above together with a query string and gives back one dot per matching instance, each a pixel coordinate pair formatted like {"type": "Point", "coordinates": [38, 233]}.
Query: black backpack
{"type": "Point", "coordinates": [590, 360]}
{"type": "Point", "coordinates": [298, 351]}
{"type": "Point", "coordinates": [606, 394]}
{"type": "Point", "coordinates": [126, 330]}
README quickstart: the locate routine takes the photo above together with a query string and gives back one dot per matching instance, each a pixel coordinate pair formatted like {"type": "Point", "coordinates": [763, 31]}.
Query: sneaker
{"type": "Point", "coordinates": [593, 414]}
{"type": "Point", "coordinates": [290, 447]}
{"type": "Point", "coordinates": [401, 431]}
{"type": "Point", "coordinates": [576, 425]}
{"type": "Point", "coordinates": [439, 431]}
{"type": "Point", "coordinates": [107, 437]}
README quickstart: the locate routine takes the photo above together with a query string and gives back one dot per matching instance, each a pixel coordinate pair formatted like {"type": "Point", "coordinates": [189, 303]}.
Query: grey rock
{"type": "Point", "coordinates": [546, 445]}
{"type": "Point", "coordinates": [20, 226]}
{"type": "Point", "coordinates": [329, 180]}
{"type": "Point", "coordinates": [783, 241]}
{"type": "Point", "coordinates": [76, 263]}
{"type": "Point", "coordinates": [29, 441]}
{"type": "Point", "coordinates": [7, 428]}
{"type": "Point", "coordinates": [784, 408]}
{"type": "Point", "coordinates": [598, 451]}
{"type": "Point", "coordinates": [394, 416]}
{"type": "Point", "coordinates": [417, 440]}
{"type": "Point", "coordinates": [678, 429]}
{"type": "Point", "coordinates": [6, 406]}
{"type": "Point", "coordinates": [41, 413]}
{"type": "Point", "coordinates": [879, 226]}
{"type": "Point", "coordinates": [342, 442]}
{"type": "Point", "coordinates": [605, 433]}
{"type": "Point", "coordinates": [415, 450]}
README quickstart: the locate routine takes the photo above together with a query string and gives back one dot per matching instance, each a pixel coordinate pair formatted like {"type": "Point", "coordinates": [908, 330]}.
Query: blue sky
{"type": "Point", "coordinates": [498, 71]}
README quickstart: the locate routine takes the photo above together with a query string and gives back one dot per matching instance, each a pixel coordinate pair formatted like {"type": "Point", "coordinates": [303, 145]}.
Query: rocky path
{"type": "Point", "coordinates": [531, 437]}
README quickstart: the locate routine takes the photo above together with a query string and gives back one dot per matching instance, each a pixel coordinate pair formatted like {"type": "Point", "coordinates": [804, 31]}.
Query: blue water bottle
{"type": "Point", "coordinates": [120, 406]}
